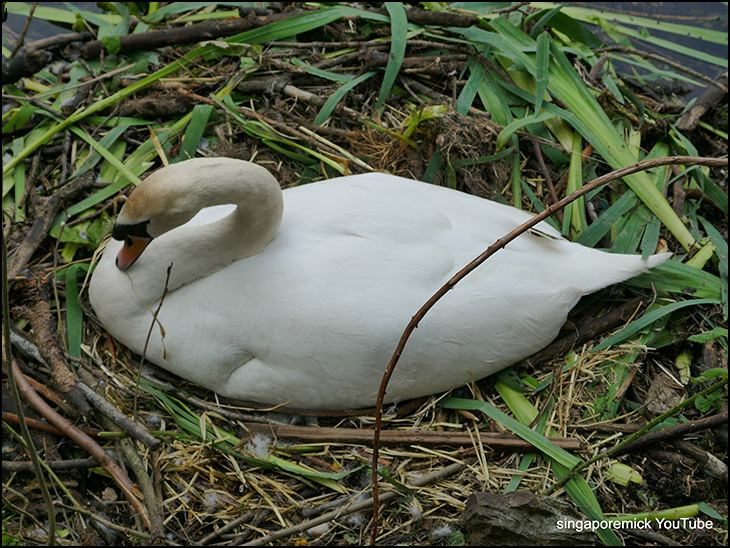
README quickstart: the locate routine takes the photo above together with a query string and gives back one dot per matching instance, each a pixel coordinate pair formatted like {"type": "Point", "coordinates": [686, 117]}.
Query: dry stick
{"type": "Point", "coordinates": [43, 426]}
{"type": "Point", "coordinates": [320, 434]}
{"type": "Point", "coordinates": [491, 250]}
{"type": "Point", "coordinates": [646, 55]}
{"type": "Point", "coordinates": [21, 38]}
{"type": "Point", "coordinates": [56, 465]}
{"type": "Point", "coordinates": [666, 434]}
{"type": "Point", "coordinates": [211, 29]}
{"type": "Point", "coordinates": [710, 463]}
{"type": "Point", "coordinates": [149, 334]}
{"type": "Point", "coordinates": [98, 402]}
{"type": "Point", "coordinates": [129, 426]}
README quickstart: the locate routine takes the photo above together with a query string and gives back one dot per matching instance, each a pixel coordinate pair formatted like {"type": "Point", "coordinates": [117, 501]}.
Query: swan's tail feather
{"type": "Point", "coordinates": [615, 268]}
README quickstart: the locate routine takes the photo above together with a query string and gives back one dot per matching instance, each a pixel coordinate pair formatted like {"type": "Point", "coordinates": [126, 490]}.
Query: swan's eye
{"type": "Point", "coordinates": [122, 231]}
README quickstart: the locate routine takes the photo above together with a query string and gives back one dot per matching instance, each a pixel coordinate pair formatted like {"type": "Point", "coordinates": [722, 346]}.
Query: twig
{"type": "Point", "coordinates": [149, 334]}
{"type": "Point", "coordinates": [192, 34]}
{"type": "Point", "coordinates": [437, 18]}
{"type": "Point", "coordinates": [135, 430]}
{"type": "Point", "coordinates": [56, 465]}
{"type": "Point", "coordinates": [710, 98]}
{"type": "Point", "coordinates": [315, 434]}
{"type": "Point", "coordinates": [151, 501]}
{"type": "Point", "coordinates": [673, 432]}
{"type": "Point", "coordinates": [44, 426]}
{"type": "Point", "coordinates": [710, 463]}
{"type": "Point", "coordinates": [21, 38]}
{"type": "Point", "coordinates": [49, 346]}
{"type": "Point", "coordinates": [668, 62]}
{"type": "Point", "coordinates": [546, 175]}
{"type": "Point", "coordinates": [105, 522]}
{"type": "Point", "coordinates": [499, 244]}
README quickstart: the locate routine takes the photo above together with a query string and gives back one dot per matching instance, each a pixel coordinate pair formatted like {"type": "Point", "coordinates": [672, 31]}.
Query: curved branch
{"type": "Point", "coordinates": [491, 250]}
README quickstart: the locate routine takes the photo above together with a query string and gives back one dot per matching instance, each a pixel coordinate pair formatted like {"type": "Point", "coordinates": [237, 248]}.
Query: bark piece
{"type": "Point", "coordinates": [522, 519]}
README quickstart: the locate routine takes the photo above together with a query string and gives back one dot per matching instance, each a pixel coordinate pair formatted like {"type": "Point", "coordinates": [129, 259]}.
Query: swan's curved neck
{"type": "Point", "coordinates": [173, 195]}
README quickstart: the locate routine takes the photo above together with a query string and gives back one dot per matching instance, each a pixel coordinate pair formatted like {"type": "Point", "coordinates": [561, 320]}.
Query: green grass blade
{"type": "Point", "coordinates": [575, 212]}
{"type": "Point", "coordinates": [64, 16]}
{"type": "Point", "coordinates": [543, 66]}
{"type": "Point", "coordinates": [195, 130]}
{"type": "Point", "coordinates": [609, 144]}
{"type": "Point", "coordinates": [470, 89]}
{"type": "Point", "coordinates": [608, 219]}
{"type": "Point", "coordinates": [590, 15]}
{"type": "Point", "coordinates": [495, 100]}
{"type": "Point", "coordinates": [17, 183]}
{"type": "Point", "coordinates": [584, 113]}
{"type": "Point", "coordinates": [517, 125]}
{"type": "Point", "coordinates": [74, 315]}
{"type": "Point", "coordinates": [321, 73]}
{"type": "Point", "coordinates": [721, 252]}
{"type": "Point", "coordinates": [329, 106]}
{"type": "Point", "coordinates": [399, 35]}
{"type": "Point", "coordinates": [649, 318]}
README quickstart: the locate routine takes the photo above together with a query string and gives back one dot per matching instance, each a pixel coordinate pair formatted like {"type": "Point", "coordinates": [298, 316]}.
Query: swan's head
{"type": "Point", "coordinates": [159, 204]}
{"type": "Point", "coordinates": [171, 196]}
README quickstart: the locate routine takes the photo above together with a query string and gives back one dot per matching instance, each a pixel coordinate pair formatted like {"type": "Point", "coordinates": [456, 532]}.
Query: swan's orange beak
{"type": "Point", "coordinates": [133, 248]}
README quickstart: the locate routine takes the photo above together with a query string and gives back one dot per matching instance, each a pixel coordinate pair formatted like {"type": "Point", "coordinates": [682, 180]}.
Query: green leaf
{"type": "Point", "coordinates": [517, 125]}
{"type": "Point", "coordinates": [623, 474]}
{"type": "Point", "coordinates": [469, 91]}
{"type": "Point", "coordinates": [583, 112]}
{"type": "Point", "coordinates": [326, 111]}
{"type": "Point", "coordinates": [721, 252]}
{"type": "Point", "coordinates": [647, 319]}
{"type": "Point", "coordinates": [195, 130]}
{"type": "Point", "coordinates": [66, 16]}
{"type": "Point", "coordinates": [706, 336]}
{"type": "Point", "coordinates": [74, 314]}
{"type": "Point", "coordinates": [112, 44]}
{"type": "Point", "coordinates": [543, 68]}
{"type": "Point", "coordinates": [570, 27]}
{"type": "Point", "coordinates": [399, 35]}
{"type": "Point", "coordinates": [320, 73]}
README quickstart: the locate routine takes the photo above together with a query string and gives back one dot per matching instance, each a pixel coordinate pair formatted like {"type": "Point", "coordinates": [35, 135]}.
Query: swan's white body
{"type": "Point", "coordinates": [312, 318]}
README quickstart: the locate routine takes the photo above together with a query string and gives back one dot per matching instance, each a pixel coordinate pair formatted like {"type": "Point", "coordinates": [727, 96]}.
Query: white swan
{"type": "Point", "coordinates": [300, 297]}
